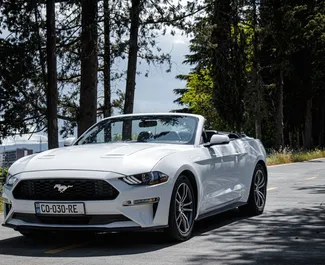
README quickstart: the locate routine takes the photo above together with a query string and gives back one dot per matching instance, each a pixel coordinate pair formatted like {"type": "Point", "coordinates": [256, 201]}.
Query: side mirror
{"type": "Point", "coordinates": [69, 141]}
{"type": "Point", "coordinates": [218, 139]}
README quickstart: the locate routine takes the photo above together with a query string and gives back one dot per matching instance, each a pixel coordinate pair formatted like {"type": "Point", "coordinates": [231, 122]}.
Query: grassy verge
{"type": "Point", "coordinates": [287, 156]}
{"type": "Point", "coordinates": [1, 202]}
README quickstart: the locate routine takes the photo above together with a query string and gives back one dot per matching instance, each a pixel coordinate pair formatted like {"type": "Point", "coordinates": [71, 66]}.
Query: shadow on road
{"type": "Point", "coordinates": [105, 244]}
{"type": "Point", "coordinates": [318, 189]}
{"type": "Point", "coordinates": [286, 236]}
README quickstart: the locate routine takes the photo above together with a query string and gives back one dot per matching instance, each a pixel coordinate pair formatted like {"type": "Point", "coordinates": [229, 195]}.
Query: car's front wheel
{"type": "Point", "coordinates": [182, 210]}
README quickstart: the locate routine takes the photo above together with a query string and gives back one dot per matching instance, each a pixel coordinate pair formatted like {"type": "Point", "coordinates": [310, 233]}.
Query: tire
{"type": "Point", "coordinates": [258, 190]}
{"type": "Point", "coordinates": [181, 214]}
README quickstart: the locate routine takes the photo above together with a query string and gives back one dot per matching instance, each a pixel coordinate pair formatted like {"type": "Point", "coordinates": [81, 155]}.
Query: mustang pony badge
{"type": "Point", "coordinates": [62, 188]}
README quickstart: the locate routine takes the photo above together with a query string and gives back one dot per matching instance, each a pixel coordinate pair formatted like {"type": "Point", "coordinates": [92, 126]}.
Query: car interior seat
{"type": "Point", "coordinates": [144, 136]}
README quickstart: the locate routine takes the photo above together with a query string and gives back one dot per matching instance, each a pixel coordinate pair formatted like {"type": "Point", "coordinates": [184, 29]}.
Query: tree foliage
{"type": "Point", "coordinates": [197, 97]}
{"type": "Point", "coordinates": [23, 101]}
{"type": "Point", "coordinates": [266, 60]}
{"type": "Point", "coordinates": [92, 39]}
{"type": "Point", "coordinates": [257, 65]}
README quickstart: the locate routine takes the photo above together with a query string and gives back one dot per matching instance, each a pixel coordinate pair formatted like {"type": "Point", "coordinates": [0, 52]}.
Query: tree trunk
{"type": "Point", "coordinates": [308, 142]}
{"type": "Point", "coordinates": [52, 91]}
{"type": "Point", "coordinates": [298, 139]}
{"type": "Point", "coordinates": [132, 66]}
{"type": "Point", "coordinates": [256, 78]}
{"type": "Point", "coordinates": [107, 61]}
{"type": "Point", "coordinates": [89, 66]}
{"type": "Point", "coordinates": [221, 46]}
{"type": "Point", "coordinates": [290, 140]}
{"type": "Point", "coordinates": [322, 127]}
{"type": "Point", "coordinates": [279, 119]}
{"type": "Point", "coordinates": [258, 128]}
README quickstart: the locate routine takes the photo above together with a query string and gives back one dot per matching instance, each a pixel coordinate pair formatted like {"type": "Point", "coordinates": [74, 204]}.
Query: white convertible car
{"type": "Point", "coordinates": [137, 171]}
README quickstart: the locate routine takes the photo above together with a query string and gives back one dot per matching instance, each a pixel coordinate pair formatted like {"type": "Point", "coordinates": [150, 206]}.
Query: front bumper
{"type": "Point", "coordinates": [100, 215]}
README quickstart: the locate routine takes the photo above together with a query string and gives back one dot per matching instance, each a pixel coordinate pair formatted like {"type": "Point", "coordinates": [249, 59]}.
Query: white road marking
{"type": "Point", "coordinates": [273, 188]}
{"type": "Point", "coordinates": [311, 178]}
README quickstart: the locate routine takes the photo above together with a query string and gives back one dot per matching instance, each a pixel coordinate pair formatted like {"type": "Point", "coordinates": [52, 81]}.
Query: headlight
{"type": "Point", "coordinates": [150, 178]}
{"type": "Point", "coordinates": [10, 180]}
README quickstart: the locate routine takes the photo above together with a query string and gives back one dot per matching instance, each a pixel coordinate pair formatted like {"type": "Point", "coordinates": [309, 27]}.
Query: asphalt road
{"type": "Point", "coordinates": [291, 231]}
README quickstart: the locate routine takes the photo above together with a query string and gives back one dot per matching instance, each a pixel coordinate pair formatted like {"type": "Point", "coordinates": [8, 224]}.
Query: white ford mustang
{"type": "Point", "coordinates": [137, 171]}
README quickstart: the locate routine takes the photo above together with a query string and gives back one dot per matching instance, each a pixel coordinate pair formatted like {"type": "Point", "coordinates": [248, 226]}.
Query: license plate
{"type": "Point", "coordinates": [60, 208]}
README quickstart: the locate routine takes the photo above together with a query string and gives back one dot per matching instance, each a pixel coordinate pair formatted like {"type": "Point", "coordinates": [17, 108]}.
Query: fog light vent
{"type": "Point", "coordinates": [141, 201]}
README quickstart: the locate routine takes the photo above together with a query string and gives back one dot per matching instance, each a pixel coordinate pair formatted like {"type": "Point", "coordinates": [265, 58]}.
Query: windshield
{"type": "Point", "coordinates": [149, 129]}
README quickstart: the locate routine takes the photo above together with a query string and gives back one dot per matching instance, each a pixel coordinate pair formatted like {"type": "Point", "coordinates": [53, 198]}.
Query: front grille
{"type": "Point", "coordinates": [80, 189]}
{"type": "Point", "coordinates": [71, 220]}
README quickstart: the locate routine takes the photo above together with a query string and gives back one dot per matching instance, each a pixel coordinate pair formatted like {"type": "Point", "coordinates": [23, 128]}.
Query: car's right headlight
{"type": "Point", "coordinates": [10, 180]}
{"type": "Point", "coordinates": [149, 178]}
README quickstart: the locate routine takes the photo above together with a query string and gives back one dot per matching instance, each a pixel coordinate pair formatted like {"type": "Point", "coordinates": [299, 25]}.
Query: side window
{"type": "Point", "coordinates": [100, 137]}
{"type": "Point", "coordinates": [204, 137]}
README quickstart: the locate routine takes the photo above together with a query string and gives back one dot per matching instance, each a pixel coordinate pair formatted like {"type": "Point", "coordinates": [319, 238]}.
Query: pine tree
{"type": "Point", "coordinates": [52, 91]}
{"type": "Point", "coordinates": [89, 66]}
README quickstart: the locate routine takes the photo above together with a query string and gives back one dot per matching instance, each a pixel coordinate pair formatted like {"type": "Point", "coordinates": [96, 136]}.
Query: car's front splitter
{"type": "Point", "coordinates": [81, 228]}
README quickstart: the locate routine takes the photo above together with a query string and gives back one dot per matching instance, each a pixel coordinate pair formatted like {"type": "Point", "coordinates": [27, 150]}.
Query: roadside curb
{"type": "Point", "coordinates": [286, 164]}
{"type": "Point", "coordinates": [296, 162]}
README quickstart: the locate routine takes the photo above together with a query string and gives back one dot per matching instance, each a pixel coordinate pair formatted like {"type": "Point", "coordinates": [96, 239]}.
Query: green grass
{"type": "Point", "coordinates": [288, 156]}
{"type": "Point", "coordinates": [1, 202]}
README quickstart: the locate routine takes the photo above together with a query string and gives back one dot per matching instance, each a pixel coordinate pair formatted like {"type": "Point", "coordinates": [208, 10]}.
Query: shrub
{"type": "Point", "coordinates": [287, 155]}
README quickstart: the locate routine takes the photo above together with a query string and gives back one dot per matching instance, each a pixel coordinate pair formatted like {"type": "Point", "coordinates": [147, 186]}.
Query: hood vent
{"type": "Point", "coordinates": [46, 157]}
{"type": "Point", "coordinates": [113, 155]}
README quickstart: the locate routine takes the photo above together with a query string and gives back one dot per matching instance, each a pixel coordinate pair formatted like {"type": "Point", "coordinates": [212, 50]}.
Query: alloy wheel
{"type": "Point", "coordinates": [260, 189]}
{"type": "Point", "coordinates": [184, 208]}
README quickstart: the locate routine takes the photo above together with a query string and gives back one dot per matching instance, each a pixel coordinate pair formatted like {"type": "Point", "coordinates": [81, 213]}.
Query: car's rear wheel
{"type": "Point", "coordinates": [182, 210]}
{"type": "Point", "coordinates": [257, 197]}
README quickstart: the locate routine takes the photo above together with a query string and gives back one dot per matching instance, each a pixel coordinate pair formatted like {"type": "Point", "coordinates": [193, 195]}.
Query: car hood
{"type": "Point", "coordinates": [123, 158]}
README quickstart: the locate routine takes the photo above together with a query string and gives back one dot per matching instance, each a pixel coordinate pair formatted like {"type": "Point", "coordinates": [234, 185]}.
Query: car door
{"type": "Point", "coordinates": [220, 176]}
{"type": "Point", "coordinates": [235, 157]}
{"type": "Point", "coordinates": [229, 175]}
{"type": "Point", "coordinates": [244, 166]}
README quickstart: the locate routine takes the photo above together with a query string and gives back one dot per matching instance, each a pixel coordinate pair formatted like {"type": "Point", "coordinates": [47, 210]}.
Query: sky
{"type": "Point", "coordinates": [155, 92]}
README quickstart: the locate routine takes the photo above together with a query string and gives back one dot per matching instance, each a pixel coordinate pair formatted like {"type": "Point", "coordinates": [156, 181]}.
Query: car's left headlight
{"type": "Point", "coordinates": [149, 178]}
{"type": "Point", "coordinates": [10, 180]}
